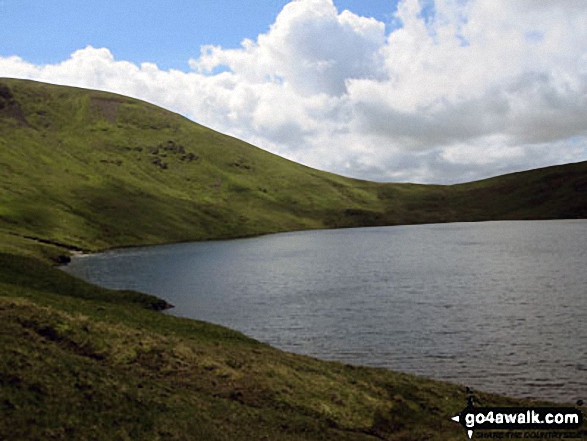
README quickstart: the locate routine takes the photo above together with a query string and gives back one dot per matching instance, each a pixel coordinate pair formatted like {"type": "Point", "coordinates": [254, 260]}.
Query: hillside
{"type": "Point", "coordinates": [87, 170]}
{"type": "Point", "coordinates": [93, 170]}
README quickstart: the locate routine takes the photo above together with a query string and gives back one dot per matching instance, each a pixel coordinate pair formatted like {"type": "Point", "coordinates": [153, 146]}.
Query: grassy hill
{"type": "Point", "coordinates": [87, 170]}
{"type": "Point", "coordinates": [93, 170]}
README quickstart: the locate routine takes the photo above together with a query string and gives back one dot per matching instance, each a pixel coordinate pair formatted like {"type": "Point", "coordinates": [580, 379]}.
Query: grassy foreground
{"type": "Point", "coordinates": [81, 362]}
{"type": "Point", "coordinates": [86, 170]}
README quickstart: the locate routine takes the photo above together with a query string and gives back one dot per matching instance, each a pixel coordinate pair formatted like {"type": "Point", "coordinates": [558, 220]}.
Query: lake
{"type": "Point", "coordinates": [497, 306]}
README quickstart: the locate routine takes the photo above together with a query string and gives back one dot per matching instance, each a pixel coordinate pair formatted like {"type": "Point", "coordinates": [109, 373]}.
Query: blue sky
{"type": "Point", "coordinates": [167, 33]}
{"type": "Point", "coordinates": [430, 91]}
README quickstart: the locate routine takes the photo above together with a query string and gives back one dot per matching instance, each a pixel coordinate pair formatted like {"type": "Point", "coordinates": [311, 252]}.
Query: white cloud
{"type": "Point", "coordinates": [476, 88]}
{"type": "Point", "coordinates": [310, 46]}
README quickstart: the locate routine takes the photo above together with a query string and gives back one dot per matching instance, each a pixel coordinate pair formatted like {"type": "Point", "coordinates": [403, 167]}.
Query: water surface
{"type": "Point", "coordinates": [498, 306]}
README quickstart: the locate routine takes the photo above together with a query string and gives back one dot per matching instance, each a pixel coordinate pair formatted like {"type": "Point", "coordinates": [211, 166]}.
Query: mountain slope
{"type": "Point", "coordinates": [94, 170]}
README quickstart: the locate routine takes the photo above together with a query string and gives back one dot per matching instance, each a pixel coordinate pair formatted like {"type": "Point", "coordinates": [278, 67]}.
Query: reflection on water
{"type": "Point", "coordinates": [499, 306]}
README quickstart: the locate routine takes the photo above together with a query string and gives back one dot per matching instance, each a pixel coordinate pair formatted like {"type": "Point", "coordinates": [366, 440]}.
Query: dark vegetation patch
{"type": "Point", "coordinates": [160, 154]}
{"type": "Point", "coordinates": [242, 163]}
{"type": "Point", "coordinates": [107, 107]}
{"type": "Point", "coordinates": [116, 162]}
{"type": "Point", "coordinates": [9, 106]}
{"type": "Point", "coordinates": [353, 217]}
{"type": "Point", "coordinates": [162, 165]}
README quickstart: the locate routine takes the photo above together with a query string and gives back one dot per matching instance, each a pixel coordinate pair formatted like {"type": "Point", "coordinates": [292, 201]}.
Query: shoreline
{"type": "Point", "coordinates": [581, 221]}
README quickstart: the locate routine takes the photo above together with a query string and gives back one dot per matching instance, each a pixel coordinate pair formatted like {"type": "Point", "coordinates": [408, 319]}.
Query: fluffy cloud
{"type": "Point", "coordinates": [460, 90]}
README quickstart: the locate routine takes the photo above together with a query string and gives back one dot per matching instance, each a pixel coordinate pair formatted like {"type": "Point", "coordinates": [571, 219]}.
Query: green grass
{"type": "Point", "coordinates": [87, 170]}
{"type": "Point", "coordinates": [94, 170]}
{"type": "Point", "coordinates": [82, 174]}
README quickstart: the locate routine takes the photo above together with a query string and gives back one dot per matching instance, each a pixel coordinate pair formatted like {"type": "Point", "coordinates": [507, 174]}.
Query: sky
{"type": "Point", "coordinates": [427, 91]}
